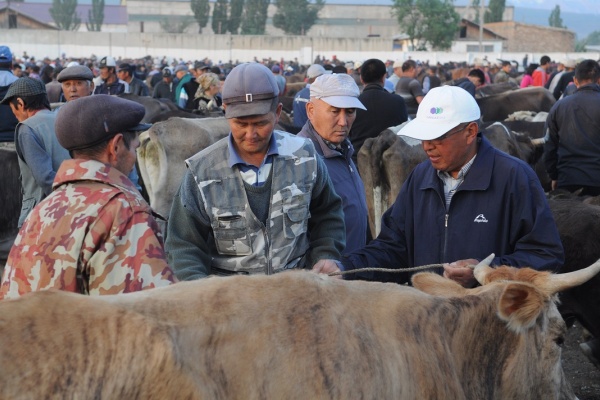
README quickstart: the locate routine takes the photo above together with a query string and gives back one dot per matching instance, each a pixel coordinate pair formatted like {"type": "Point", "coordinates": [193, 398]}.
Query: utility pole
{"type": "Point", "coordinates": [481, 13]}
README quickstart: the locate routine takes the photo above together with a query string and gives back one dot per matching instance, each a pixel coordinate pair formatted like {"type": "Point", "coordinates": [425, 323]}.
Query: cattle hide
{"type": "Point", "coordinates": [495, 88]}
{"type": "Point", "coordinates": [153, 106]}
{"type": "Point", "coordinates": [163, 150]}
{"type": "Point", "coordinates": [499, 106]}
{"type": "Point", "coordinates": [294, 335]}
{"type": "Point", "coordinates": [10, 199]}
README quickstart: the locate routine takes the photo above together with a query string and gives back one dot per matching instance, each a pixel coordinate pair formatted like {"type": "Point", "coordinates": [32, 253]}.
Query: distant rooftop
{"type": "Point", "coordinates": [114, 14]}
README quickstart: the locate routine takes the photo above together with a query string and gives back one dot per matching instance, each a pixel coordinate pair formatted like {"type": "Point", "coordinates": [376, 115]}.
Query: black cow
{"type": "Point", "coordinates": [499, 106]}
{"type": "Point", "coordinates": [10, 200]}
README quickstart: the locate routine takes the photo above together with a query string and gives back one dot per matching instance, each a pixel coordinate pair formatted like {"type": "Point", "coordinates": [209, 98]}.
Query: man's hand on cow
{"type": "Point", "coordinates": [327, 267]}
{"type": "Point", "coordinates": [554, 185]}
{"type": "Point", "coordinates": [461, 271]}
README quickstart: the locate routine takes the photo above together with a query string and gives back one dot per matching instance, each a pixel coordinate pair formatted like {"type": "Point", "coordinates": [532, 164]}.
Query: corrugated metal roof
{"type": "Point", "coordinates": [113, 15]}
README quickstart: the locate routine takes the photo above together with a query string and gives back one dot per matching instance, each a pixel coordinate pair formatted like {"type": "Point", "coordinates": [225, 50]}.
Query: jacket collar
{"type": "Point", "coordinates": [309, 131]}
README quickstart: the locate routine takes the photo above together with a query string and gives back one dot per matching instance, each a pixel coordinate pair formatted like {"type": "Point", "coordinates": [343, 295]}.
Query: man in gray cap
{"type": "Point", "coordinates": [331, 113]}
{"type": "Point", "coordinates": [76, 81]}
{"type": "Point", "coordinates": [94, 234]}
{"type": "Point", "coordinates": [39, 152]}
{"type": "Point", "coordinates": [303, 96]}
{"type": "Point", "coordinates": [258, 201]}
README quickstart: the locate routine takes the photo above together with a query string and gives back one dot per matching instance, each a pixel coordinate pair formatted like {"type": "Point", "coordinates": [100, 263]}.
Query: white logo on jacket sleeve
{"type": "Point", "coordinates": [480, 218]}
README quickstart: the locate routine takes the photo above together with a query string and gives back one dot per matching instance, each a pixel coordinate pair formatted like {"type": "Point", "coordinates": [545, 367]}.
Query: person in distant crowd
{"type": "Point", "coordinates": [527, 79]}
{"type": "Point", "coordinates": [431, 79]}
{"type": "Point", "coordinates": [33, 71]}
{"type": "Point", "coordinates": [572, 151]}
{"type": "Point", "coordinates": [383, 110]}
{"type": "Point", "coordinates": [182, 76]}
{"type": "Point", "coordinates": [331, 113]}
{"type": "Point", "coordinates": [474, 79]}
{"type": "Point", "coordinates": [354, 72]}
{"type": "Point", "coordinates": [339, 69]}
{"type": "Point", "coordinates": [190, 88]}
{"type": "Point", "coordinates": [8, 121]}
{"type": "Point", "coordinates": [484, 66]}
{"type": "Point", "coordinates": [76, 82]}
{"type": "Point", "coordinates": [259, 201]}
{"type": "Point", "coordinates": [155, 76]}
{"type": "Point", "coordinates": [503, 75]}
{"type": "Point", "coordinates": [566, 80]}
{"type": "Point", "coordinates": [206, 99]}
{"type": "Point", "coordinates": [409, 88]}
{"type": "Point", "coordinates": [54, 88]}
{"type": "Point", "coordinates": [560, 69]}
{"type": "Point", "coordinates": [279, 79]}
{"type": "Point", "coordinates": [39, 152]}
{"type": "Point", "coordinates": [465, 202]}
{"type": "Point", "coordinates": [46, 75]}
{"type": "Point", "coordinates": [396, 72]}
{"type": "Point", "coordinates": [94, 234]}
{"type": "Point", "coordinates": [303, 95]}
{"type": "Point", "coordinates": [136, 86]}
{"type": "Point", "coordinates": [17, 70]}
{"type": "Point", "coordinates": [110, 82]}
{"type": "Point", "coordinates": [166, 88]}
{"type": "Point", "coordinates": [540, 75]}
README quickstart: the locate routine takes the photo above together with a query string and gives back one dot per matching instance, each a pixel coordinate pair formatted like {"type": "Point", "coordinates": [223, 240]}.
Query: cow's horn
{"type": "Point", "coordinates": [538, 141]}
{"type": "Point", "coordinates": [559, 282]}
{"type": "Point", "coordinates": [481, 270]}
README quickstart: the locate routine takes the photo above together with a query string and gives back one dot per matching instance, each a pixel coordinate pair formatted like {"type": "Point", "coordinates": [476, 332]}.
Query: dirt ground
{"type": "Point", "coordinates": [582, 374]}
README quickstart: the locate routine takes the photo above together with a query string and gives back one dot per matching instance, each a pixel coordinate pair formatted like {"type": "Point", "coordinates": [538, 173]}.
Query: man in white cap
{"type": "Point", "coordinates": [466, 201]}
{"type": "Point", "coordinates": [259, 201]}
{"type": "Point", "coordinates": [303, 96]}
{"type": "Point", "coordinates": [111, 84]}
{"type": "Point", "coordinates": [331, 113]}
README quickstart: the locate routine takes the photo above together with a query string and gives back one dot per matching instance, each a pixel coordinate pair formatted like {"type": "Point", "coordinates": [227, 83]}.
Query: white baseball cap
{"type": "Point", "coordinates": [338, 90]}
{"type": "Point", "coordinates": [442, 108]}
{"type": "Point", "coordinates": [316, 70]}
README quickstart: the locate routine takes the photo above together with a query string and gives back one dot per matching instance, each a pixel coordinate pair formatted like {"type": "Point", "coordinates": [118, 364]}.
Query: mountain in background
{"type": "Point", "coordinates": [581, 24]}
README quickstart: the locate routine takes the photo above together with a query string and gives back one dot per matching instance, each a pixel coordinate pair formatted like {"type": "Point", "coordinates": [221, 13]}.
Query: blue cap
{"type": "Point", "coordinates": [5, 54]}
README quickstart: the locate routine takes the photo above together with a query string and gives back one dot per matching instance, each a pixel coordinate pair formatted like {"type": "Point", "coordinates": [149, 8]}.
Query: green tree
{"type": "Point", "coordinates": [95, 16]}
{"type": "Point", "coordinates": [555, 20]}
{"type": "Point", "coordinates": [296, 17]}
{"type": "Point", "coordinates": [254, 19]}
{"type": "Point", "coordinates": [201, 11]}
{"type": "Point", "coordinates": [593, 38]}
{"type": "Point", "coordinates": [219, 17]}
{"type": "Point", "coordinates": [235, 16]}
{"type": "Point", "coordinates": [175, 24]}
{"type": "Point", "coordinates": [432, 22]}
{"type": "Point", "coordinates": [64, 15]}
{"type": "Point", "coordinates": [495, 11]}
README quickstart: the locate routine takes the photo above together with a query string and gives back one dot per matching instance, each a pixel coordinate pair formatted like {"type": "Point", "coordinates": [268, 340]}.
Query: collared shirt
{"type": "Point", "coordinates": [451, 184]}
{"type": "Point", "coordinates": [251, 174]}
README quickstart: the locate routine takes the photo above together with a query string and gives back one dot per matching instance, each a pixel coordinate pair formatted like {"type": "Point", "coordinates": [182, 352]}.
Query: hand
{"type": "Point", "coordinates": [460, 272]}
{"type": "Point", "coordinates": [326, 267]}
{"type": "Point", "coordinates": [554, 185]}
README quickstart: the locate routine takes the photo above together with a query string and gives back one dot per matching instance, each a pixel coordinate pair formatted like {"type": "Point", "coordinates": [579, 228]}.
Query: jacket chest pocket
{"type": "Point", "coordinates": [295, 216]}
{"type": "Point", "coordinates": [231, 236]}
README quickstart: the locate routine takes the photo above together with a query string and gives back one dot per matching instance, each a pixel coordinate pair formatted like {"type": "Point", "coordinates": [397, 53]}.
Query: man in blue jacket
{"type": "Point", "coordinates": [466, 201]}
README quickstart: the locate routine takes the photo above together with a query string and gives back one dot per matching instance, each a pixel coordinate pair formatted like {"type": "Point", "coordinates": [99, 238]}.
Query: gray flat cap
{"type": "Point", "coordinates": [249, 89]}
{"type": "Point", "coordinates": [24, 87]}
{"type": "Point", "coordinates": [77, 72]}
{"type": "Point", "coordinates": [91, 120]}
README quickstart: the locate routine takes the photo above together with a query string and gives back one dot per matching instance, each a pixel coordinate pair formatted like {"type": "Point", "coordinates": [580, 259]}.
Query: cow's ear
{"type": "Point", "coordinates": [437, 285]}
{"type": "Point", "coordinates": [520, 305]}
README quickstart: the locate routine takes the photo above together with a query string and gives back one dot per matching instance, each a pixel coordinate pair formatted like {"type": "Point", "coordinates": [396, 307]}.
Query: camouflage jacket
{"type": "Point", "coordinates": [93, 234]}
{"type": "Point", "coordinates": [212, 229]}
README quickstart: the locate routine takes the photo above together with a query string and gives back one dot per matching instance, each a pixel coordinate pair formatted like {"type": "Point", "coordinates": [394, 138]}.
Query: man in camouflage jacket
{"type": "Point", "coordinates": [94, 234]}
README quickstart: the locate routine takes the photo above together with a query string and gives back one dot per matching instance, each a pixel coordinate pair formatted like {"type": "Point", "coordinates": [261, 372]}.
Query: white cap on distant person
{"type": "Point", "coordinates": [442, 109]}
{"type": "Point", "coordinates": [316, 70]}
{"type": "Point", "coordinates": [338, 90]}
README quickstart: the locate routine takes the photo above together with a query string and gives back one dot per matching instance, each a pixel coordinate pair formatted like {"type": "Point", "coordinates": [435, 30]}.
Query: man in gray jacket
{"type": "Point", "coordinates": [259, 201]}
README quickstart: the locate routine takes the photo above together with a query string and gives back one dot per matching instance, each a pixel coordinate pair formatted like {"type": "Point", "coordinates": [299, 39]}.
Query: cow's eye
{"type": "Point", "coordinates": [559, 340]}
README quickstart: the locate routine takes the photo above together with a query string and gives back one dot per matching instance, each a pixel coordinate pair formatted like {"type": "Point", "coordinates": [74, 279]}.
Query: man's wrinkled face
{"type": "Point", "coordinates": [251, 134]}
{"type": "Point", "coordinates": [331, 123]}
{"type": "Point", "coordinates": [75, 89]}
{"type": "Point", "coordinates": [105, 73]}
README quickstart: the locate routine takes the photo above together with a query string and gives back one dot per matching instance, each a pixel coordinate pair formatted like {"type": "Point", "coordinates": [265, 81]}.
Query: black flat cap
{"type": "Point", "coordinates": [24, 87]}
{"type": "Point", "coordinates": [90, 120]}
{"type": "Point", "coordinates": [76, 72]}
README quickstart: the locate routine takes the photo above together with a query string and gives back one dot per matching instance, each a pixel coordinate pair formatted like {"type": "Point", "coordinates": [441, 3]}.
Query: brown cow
{"type": "Point", "coordinates": [294, 335]}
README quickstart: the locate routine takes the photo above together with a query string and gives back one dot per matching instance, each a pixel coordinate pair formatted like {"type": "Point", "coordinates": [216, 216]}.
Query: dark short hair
{"type": "Point", "coordinates": [339, 69]}
{"type": "Point", "coordinates": [587, 70]}
{"type": "Point", "coordinates": [408, 64]}
{"type": "Point", "coordinates": [96, 150]}
{"type": "Point", "coordinates": [544, 60]}
{"type": "Point", "coordinates": [372, 70]}
{"type": "Point", "coordinates": [35, 102]}
{"type": "Point", "coordinates": [505, 63]}
{"type": "Point", "coordinates": [476, 72]}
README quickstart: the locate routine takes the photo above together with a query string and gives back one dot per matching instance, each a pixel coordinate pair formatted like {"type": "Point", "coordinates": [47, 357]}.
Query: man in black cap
{"type": "Point", "coordinates": [39, 152]}
{"type": "Point", "coordinates": [77, 81]}
{"type": "Point", "coordinates": [258, 201]}
{"type": "Point", "coordinates": [165, 89]}
{"type": "Point", "coordinates": [136, 86]}
{"type": "Point", "coordinates": [94, 234]}
{"type": "Point", "coordinates": [8, 121]}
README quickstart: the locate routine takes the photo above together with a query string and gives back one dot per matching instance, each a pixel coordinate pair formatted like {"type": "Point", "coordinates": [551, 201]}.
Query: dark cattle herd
{"type": "Point", "coordinates": [370, 363]}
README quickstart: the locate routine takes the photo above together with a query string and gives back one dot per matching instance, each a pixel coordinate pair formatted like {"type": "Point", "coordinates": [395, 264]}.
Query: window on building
{"type": "Point", "coordinates": [12, 21]}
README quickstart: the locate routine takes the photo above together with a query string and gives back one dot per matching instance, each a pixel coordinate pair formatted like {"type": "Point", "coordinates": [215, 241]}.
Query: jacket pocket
{"type": "Point", "coordinates": [295, 220]}
{"type": "Point", "coordinates": [231, 236]}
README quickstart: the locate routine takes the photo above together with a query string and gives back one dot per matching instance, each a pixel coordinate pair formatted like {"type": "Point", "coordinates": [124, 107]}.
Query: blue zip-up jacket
{"type": "Point", "coordinates": [348, 186]}
{"type": "Point", "coordinates": [500, 208]}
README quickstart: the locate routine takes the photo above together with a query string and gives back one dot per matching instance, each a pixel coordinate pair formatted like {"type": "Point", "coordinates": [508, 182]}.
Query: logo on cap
{"type": "Point", "coordinates": [436, 110]}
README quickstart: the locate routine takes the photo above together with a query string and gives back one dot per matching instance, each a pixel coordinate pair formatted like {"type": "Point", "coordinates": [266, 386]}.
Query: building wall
{"type": "Point", "coordinates": [533, 38]}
